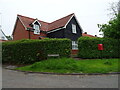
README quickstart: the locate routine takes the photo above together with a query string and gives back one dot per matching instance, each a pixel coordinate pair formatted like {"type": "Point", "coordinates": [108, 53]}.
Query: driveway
{"type": "Point", "coordinates": [15, 79]}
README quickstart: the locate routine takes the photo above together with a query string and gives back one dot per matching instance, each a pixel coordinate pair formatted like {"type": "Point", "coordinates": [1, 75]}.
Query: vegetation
{"type": "Point", "coordinates": [88, 47]}
{"type": "Point", "coordinates": [29, 51]}
{"type": "Point", "coordinates": [69, 65]}
{"type": "Point", "coordinates": [112, 29]}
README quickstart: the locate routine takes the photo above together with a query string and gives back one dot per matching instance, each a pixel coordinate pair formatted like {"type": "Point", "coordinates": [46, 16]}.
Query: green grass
{"type": "Point", "coordinates": [69, 65]}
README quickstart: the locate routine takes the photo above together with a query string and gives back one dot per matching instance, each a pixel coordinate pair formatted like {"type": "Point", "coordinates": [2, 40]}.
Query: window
{"type": "Point", "coordinates": [74, 45]}
{"type": "Point", "coordinates": [74, 28]}
{"type": "Point", "coordinates": [36, 29]}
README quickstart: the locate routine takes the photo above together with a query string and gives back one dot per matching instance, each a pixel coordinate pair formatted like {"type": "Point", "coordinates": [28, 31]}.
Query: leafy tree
{"type": "Point", "coordinates": [112, 29]}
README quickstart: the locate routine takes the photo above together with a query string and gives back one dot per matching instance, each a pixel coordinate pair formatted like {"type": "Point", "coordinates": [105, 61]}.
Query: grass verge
{"type": "Point", "coordinates": [69, 65]}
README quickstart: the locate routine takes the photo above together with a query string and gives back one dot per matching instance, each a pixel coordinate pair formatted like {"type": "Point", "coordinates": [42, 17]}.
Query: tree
{"type": "Point", "coordinates": [112, 29]}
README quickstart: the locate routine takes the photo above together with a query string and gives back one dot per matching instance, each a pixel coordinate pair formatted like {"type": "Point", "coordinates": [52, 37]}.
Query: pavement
{"type": "Point", "coordinates": [16, 79]}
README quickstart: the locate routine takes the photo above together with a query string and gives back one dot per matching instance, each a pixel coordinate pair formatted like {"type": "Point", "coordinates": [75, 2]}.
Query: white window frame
{"type": "Point", "coordinates": [74, 45]}
{"type": "Point", "coordinates": [74, 28]}
{"type": "Point", "coordinates": [36, 29]}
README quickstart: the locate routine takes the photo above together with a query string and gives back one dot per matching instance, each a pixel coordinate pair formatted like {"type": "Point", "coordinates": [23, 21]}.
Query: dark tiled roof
{"type": "Point", "coordinates": [45, 26]}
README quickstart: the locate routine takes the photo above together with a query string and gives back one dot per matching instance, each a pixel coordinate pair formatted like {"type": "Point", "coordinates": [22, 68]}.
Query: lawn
{"type": "Point", "coordinates": [69, 65]}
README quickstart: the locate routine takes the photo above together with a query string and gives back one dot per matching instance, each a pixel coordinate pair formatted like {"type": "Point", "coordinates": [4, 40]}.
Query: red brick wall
{"type": "Point", "coordinates": [35, 36]}
{"type": "Point", "coordinates": [74, 52]}
{"type": "Point", "coordinates": [21, 33]}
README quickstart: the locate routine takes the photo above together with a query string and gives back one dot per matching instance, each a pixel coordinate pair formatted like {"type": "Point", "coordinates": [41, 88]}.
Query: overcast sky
{"type": "Point", "coordinates": [88, 12]}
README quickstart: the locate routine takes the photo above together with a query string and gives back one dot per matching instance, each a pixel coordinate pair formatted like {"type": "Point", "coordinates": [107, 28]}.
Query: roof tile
{"type": "Point", "coordinates": [45, 26]}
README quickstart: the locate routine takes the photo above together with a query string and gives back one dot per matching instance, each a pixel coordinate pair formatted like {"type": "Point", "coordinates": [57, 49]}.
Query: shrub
{"type": "Point", "coordinates": [88, 47]}
{"type": "Point", "coordinates": [30, 51]}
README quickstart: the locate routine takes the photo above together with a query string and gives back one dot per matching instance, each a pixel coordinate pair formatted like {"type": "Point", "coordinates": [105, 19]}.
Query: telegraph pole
{"type": "Point", "coordinates": [0, 20]}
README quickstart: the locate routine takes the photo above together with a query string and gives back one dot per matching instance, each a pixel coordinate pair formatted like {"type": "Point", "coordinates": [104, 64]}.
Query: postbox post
{"type": "Point", "coordinates": [100, 48]}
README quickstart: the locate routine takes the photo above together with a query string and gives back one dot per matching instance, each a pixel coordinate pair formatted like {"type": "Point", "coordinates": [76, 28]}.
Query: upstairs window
{"type": "Point", "coordinates": [74, 45]}
{"type": "Point", "coordinates": [36, 29]}
{"type": "Point", "coordinates": [74, 28]}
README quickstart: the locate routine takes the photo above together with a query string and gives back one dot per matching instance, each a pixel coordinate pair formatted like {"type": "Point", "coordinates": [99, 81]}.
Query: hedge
{"type": "Point", "coordinates": [88, 47]}
{"type": "Point", "coordinates": [29, 51]}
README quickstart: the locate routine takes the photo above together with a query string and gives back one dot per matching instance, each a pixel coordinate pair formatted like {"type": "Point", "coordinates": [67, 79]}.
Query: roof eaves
{"type": "Point", "coordinates": [69, 20]}
{"type": "Point", "coordinates": [14, 26]}
{"type": "Point", "coordinates": [22, 22]}
{"type": "Point", "coordinates": [55, 30]}
{"type": "Point", "coordinates": [78, 23]}
{"type": "Point", "coordinates": [36, 20]}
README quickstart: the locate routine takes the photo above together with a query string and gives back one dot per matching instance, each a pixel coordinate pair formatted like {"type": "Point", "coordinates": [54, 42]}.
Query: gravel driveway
{"type": "Point", "coordinates": [15, 79]}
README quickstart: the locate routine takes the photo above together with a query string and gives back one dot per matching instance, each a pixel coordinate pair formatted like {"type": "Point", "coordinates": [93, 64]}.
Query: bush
{"type": "Point", "coordinates": [88, 47]}
{"type": "Point", "coordinates": [58, 46]}
{"type": "Point", "coordinates": [30, 51]}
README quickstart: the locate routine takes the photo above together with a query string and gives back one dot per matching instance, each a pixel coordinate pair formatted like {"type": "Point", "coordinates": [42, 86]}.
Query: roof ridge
{"type": "Point", "coordinates": [62, 18]}
{"type": "Point", "coordinates": [32, 18]}
{"type": "Point", "coordinates": [25, 16]}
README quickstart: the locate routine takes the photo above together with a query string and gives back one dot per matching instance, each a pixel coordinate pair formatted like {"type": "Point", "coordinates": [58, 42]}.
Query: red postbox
{"type": "Point", "coordinates": [100, 46]}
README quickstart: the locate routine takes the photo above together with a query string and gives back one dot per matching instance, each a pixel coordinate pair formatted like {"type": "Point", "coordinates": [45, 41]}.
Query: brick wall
{"type": "Point", "coordinates": [21, 33]}
{"type": "Point", "coordinates": [74, 52]}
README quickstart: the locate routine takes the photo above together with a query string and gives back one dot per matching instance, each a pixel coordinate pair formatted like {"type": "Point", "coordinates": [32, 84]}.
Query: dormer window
{"type": "Point", "coordinates": [36, 29]}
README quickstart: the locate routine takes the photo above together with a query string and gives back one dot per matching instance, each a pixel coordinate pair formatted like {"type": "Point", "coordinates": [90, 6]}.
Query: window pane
{"type": "Point", "coordinates": [73, 28]}
{"type": "Point", "coordinates": [75, 45]}
{"type": "Point", "coordinates": [36, 31]}
{"type": "Point", "coordinates": [36, 27]}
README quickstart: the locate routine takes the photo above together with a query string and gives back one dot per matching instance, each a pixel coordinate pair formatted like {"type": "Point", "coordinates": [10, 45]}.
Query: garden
{"type": "Point", "coordinates": [35, 53]}
{"type": "Point", "coordinates": [70, 65]}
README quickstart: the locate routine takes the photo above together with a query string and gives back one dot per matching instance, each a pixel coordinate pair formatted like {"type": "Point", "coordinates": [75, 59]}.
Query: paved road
{"type": "Point", "coordinates": [15, 79]}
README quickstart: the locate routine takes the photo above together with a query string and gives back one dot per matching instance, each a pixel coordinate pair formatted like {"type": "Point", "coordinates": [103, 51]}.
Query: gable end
{"type": "Point", "coordinates": [76, 22]}
{"type": "Point", "coordinates": [22, 23]}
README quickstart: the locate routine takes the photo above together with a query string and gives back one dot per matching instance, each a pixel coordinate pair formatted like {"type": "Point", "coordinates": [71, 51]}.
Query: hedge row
{"type": "Point", "coordinates": [88, 47]}
{"type": "Point", "coordinates": [30, 51]}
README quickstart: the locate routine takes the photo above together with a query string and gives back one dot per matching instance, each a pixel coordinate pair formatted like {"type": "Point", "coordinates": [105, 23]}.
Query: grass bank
{"type": "Point", "coordinates": [69, 65]}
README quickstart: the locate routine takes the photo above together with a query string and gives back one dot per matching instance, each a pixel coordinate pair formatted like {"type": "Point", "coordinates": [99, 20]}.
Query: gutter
{"type": "Point", "coordinates": [55, 30]}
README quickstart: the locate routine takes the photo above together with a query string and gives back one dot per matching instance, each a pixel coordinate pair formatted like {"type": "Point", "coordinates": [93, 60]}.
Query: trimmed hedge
{"type": "Point", "coordinates": [88, 47]}
{"type": "Point", "coordinates": [29, 51]}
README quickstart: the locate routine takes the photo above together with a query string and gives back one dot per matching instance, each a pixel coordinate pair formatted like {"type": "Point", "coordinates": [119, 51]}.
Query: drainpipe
{"type": "Point", "coordinates": [28, 32]}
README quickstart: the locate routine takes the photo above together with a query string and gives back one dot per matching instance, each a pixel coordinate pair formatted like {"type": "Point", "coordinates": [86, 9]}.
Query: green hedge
{"type": "Point", "coordinates": [30, 51]}
{"type": "Point", "coordinates": [88, 47]}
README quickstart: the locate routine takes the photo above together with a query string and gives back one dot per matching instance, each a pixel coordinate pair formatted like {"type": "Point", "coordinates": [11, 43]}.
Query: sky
{"type": "Point", "coordinates": [89, 13]}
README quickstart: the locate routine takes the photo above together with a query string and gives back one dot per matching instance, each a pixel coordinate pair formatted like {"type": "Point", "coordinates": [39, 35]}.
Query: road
{"type": "Point", "coordinates": [15, 79]}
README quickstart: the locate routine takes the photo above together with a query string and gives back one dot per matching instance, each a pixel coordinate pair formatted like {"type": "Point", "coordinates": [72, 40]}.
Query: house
{"type": "Point", "coordinates": [29, 28]}
{"type": "Point", "coordinates": [2, 36]}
